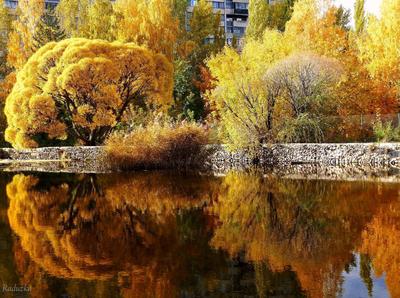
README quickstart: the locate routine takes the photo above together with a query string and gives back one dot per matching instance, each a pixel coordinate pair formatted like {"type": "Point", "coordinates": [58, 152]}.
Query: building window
{"type": "Point", "coordinates": [238, 31]}
{"type": "Point", "coordinates": [218, 5]}
{"type": "Point", "coordinates": [241, 5]}
{"type": "Point", "coordinates": [11, 4]}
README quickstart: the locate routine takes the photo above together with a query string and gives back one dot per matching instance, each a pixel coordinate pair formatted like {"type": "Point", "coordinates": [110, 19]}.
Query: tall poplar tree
{"type": "Point", "coordinates": [48, 29]}
{"type": "Point", "coordinates": [359, 15]}
{"type": "Point", "coordinates": [265, 14]}
{"type": "Point", "coordinates": [5, 28]}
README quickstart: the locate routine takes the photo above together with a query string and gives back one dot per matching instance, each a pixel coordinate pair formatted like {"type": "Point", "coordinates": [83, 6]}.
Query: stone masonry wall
{"type": "Point", "coordinates": [339, 155]}
{"type": "Point", "coordinates": [219, 159]}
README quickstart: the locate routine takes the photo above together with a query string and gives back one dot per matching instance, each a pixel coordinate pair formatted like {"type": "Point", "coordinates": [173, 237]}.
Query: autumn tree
{"type": "Point", "coordinates": [307, 83]}
{"type": "Point", "coordinates": [204, 38]}
{"type": "Point", "coordinates": [263, 95]}
{"type": "Point", "coordinates": [205, 32]}
{"type": "Point", "coordinates": [48, 29]}
{"type": "Point", "coordinates": [245, 97]}
{"type": "Point", "coordinates": [73, 15]}
{"type": "Point", "coordinates": [314, 27]}
{"type": "Point", "coordinates": [258, 15]}
{"type": "Point", "coordinates": [100, 21]}
{"type": "Point", "coordinates": [380, 46]}
{"type": "Point", "coordinates": [263, 14]}
{"type": "Point", "coordinates": [80, 89]}
{"type": "Point", "coordinates": [359, 15]}
{"type": "Point", "coordinates": [20, 42]}
{"type": "Point", "coordinates": [5, 29]}
{"type": "Point", "coordinates": [148, 23]}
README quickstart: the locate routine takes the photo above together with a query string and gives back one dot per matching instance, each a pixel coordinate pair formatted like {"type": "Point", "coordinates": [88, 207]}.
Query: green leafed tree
{"type": "Point", "coordinates": [73, 16]}
{"type": "Point", "coordinates": [343, 17]}
{"type": "Point", "coordinates": [265, 14]}
{"type": "Point", "coordinates": [100, 21]}
{"type": "Point", "coordinates": [359, 15]}
{"type": "Point", "coordinates": [205, 32]}
{"type": "Point", "coordinates": [5, 28]}
{"type": "Point", "coordinates": [48, 29]}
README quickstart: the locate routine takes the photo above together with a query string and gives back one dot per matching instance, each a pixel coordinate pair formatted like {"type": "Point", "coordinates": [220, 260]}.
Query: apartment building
{"type": "Point", "coordinates": [234, 16]}
{"type": "Point", "coordinates": [14, 3]}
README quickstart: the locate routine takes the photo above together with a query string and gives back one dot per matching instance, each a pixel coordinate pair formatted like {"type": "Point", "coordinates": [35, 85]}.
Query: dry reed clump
{"type": "Point", "coordinates": [157, 146]}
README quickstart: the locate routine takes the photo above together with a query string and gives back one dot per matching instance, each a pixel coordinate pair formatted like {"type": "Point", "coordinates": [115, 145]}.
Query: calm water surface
{"type": "Point", "coordinates": [168, 235]}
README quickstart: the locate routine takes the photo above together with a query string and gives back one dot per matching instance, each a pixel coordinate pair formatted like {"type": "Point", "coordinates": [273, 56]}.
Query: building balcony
{"type": "Point", "coordinates": [241, 11]}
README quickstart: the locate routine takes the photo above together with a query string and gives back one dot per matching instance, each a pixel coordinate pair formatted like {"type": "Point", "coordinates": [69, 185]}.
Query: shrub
{"type": "Point", "coordinates": [386, 132]}
{"type": "Point", "coordinates": [303, 129]}
{"type": "Point", "coordinates": [157, 146]}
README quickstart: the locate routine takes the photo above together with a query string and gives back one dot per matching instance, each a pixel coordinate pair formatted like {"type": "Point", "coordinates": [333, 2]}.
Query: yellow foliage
{"type": "Point", "coordinates": [85, 85]}
{"type": "Point", "coordinates": [20, 43]}
{"type": "Point", "coordinates": [73, 15]}
{"type": "Point", "coordinates": [380, 44]}
{"type": "Point", "coordinates": [57, 226]}
{"type": "Point", "coordinates": [242, 94]}
{"type": "Point", "coordinates": [157, 146]}
{"type": "Point", "coordinates": [313, 28]}
{"type": "Point", "coordinates": [147, 23]}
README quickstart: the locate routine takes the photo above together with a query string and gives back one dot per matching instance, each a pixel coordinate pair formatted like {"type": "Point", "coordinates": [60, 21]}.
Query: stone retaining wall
{"type": "Point", "coordinates": [219, 159]}
{"type": "Point", "coordinates": [367, 155]}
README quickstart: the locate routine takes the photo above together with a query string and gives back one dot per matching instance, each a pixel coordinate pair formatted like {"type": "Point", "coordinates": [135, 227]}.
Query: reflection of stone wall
{"type": "Point", "coordinates": [56, 159]}
{"type": "Point", "coordinates": [357, 157]}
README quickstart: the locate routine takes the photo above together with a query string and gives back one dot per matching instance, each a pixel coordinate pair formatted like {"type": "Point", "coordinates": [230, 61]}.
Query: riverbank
{"type": "Point", "coordinates": [291, 160]}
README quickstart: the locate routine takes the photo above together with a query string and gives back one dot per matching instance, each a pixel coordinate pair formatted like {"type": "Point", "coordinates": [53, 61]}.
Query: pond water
{"type": "Point", "coordinates": [162, 234]}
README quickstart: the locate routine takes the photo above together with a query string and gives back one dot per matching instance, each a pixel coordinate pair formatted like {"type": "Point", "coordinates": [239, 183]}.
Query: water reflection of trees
{"type": "Point", "coordinates": [381, 241]}
{"type": "Point", "coordinates": [101, 228]}
{"type": "Point", "coordinates": [312, 227]}
{"type": "Point", "coordinates": [150, 234]}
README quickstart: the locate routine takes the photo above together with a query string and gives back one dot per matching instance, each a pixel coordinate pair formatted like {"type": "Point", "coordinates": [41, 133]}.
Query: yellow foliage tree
{"type": "Point", "coordinates": [380, 45]}
{"type": "Point", "coordinates": [313, 27]}
{"type": "Point", "coordinates": [5, 28]}
{"type": "Point", "coordinates": [73, 15]}
{"type": "Point", "coordinates": [80, 89]}
{"type": "Point", "coordinates": [20, 43]}
{"type": "Point", "coordinates": [100, 21]}
{"type": "Point", "coordinates": [147, 23]}
{"type": "Point", "coordinates": [244, 99]}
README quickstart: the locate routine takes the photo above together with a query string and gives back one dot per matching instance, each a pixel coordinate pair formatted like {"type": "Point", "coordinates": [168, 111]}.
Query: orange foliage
{"type": "Point", "coordinates": [381, 241]}
{"type": "Point", "coordinates": [310, 227]}
{"type": "Point", "coordinates": [58, 225]}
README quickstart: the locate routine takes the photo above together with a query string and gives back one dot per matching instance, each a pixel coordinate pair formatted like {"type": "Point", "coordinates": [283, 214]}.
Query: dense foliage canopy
{"type": "Point", "coordinates": [80, 89]}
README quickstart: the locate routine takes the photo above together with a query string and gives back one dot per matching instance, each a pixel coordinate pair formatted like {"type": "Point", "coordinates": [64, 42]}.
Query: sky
{"type": "Point", "coordinates": [371, 6]}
